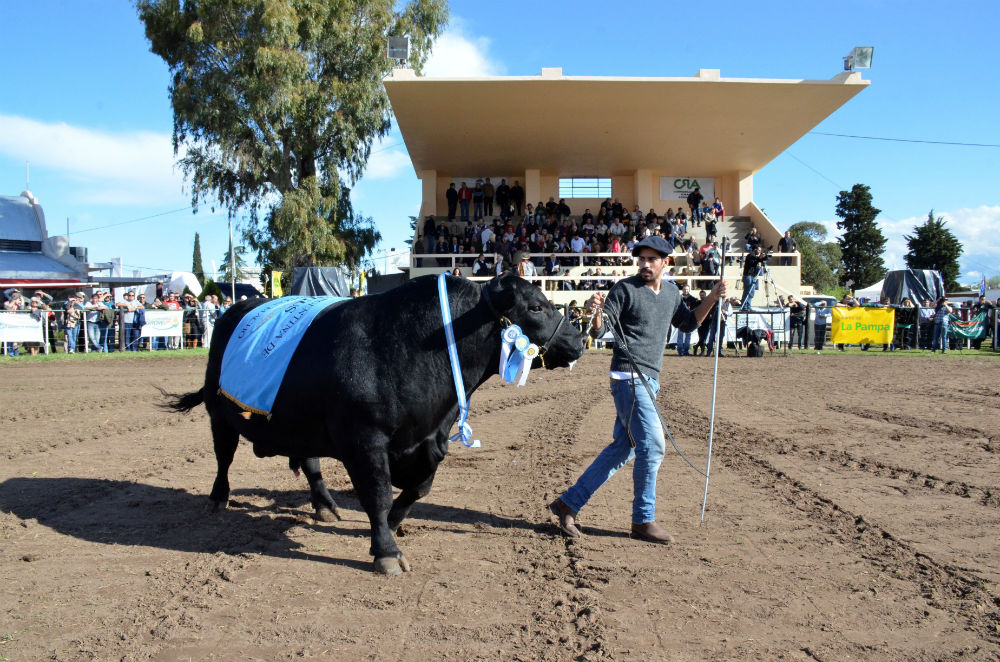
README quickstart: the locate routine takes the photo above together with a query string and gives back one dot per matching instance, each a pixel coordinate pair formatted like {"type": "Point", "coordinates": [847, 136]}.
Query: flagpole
{"type": "Point", "coordinates": [232, 261]}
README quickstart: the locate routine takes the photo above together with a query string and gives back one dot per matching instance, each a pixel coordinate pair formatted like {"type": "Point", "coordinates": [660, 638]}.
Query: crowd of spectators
{"type": "Point", "coordinates": [97, 323]}
{"type": "Point", "coordinates": [549, 228]}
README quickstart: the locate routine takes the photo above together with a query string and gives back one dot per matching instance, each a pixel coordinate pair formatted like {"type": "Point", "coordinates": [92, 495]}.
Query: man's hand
{"type": "Point", "coordinates": [719, 291]}
{"type": "Point", "coordinates": [594, 305]}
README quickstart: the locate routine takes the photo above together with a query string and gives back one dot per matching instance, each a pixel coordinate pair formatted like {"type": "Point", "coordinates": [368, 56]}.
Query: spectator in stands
{"type": "Point", "coordinates": [503, 199]}
{"type": "Point", "coordinates": [38, 312]}
{"type": "Point", "coordinates": [711, 229]}
{"type": "Point", "coordinates": [14, 302]}
{"type": "Point", "coordinates": [787, 244]}
{"type": "Point", "coordinates": [942, 310]}
{"type": "Point", "coordinates": [489, 192]}
{"type": "Point", "coordinates": [481, 267]}
{"type": "Point", "coordinates": [173, 303]}
{"type": "Point", "coordinates": [720, 211]}
{"type": "Point", "coordinates": [477, 200]}
{"type": "Point", "coordinates": [752, 266]}
{"type": "Point", "coordinates": [680, 222]}
{"type": "Point", "coordinates": [452, 196]}
{"type": "Point", "coordinates": [752, 240]}
{"type": "Point", "coordinates": [464, 199]}
{"type": "Point", "coordinates": [517, 196]}
{"type": "Point", "coordinates": [457, 272]}
{"type": "Point", "coordinates": [694, 199]}
{"type": "Point", "coordinates": [227, 303]}
{"type": "Point", "coordinates": [684, 337]}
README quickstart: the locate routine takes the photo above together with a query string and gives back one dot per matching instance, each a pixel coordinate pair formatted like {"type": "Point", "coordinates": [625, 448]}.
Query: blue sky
{"type": "Point", "coordinates": [86, 103]}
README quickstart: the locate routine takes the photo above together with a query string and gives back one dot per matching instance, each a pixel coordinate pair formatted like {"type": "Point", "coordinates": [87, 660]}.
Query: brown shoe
{"type": "Point", "coordinates": [651, 532]}
{"type": "Point", "coordinates": [567, 518]}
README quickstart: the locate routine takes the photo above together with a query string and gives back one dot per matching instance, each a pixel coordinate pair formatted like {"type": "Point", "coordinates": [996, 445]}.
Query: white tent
{"type": "Point", "coordinates": [872, 292]}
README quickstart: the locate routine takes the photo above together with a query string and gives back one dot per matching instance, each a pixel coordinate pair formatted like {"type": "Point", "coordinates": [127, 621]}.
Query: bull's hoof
{"type": "Point", "coordinates": [215, 507]}
{"type": "Point", "coordinates": [392, 565]}
{"type": "Point", "coordinates": [324, 514]}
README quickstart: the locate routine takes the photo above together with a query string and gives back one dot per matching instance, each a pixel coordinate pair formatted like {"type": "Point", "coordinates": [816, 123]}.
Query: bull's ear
{"type": "Point", "coordinates": [501, 291]}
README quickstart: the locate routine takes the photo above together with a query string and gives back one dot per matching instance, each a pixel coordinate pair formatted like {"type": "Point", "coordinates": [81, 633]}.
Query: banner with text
{"type": "Point", "coordinates": [20, 327]}
{"type": "Point", "coordinates": [163, 323]}
{"type": "Point", "coordinates": [870, 326]}
{"type": "Point", "coordinates": [678, 188]}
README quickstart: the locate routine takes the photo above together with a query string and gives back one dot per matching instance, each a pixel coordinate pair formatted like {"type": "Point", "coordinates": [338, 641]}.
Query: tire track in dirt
{"type": "Point", "coordinates": [943, 586]}
{"type": "Point", "coordinates": [568, 623]}
{"type": "Point", "coordinates": [912, 422]}
{"type": "Point", "coordinates": [572, 621]}
{"type": "Point", "coordinates": [986, 496]}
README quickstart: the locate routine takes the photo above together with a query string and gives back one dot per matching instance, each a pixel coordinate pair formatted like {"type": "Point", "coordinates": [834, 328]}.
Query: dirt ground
{"type": "Point", "coordinates": [853, 514]}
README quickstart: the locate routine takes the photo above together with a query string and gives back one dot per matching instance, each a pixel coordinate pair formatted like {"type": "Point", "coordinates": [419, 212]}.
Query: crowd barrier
{"type": "Point", "coordinates": [164, 330]}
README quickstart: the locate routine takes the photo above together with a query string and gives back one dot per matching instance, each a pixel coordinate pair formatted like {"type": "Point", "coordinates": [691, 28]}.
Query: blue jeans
{"type": "Point", "coordinates": [940, 336]}
{"type": "Point", "coordinates": [465, 210]}
{"type": "Point", "coordinates": [105, 332]}
{"type": "Point", "coordinates": [72, 335]}
{"type": "Point", "coordinates": [650, 445]}
{"type": "Point", "coordinates": [749, 287]}
{"type": "Point", "coordinates": [132, 337]}
{"type": "Point", "coordinates": [683, 344]}
{"type": "Point", "coordinates": [94, 336]}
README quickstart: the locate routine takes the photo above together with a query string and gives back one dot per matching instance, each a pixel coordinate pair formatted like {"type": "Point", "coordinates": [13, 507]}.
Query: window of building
{"type": "Point", "coordinates": [585, 187]}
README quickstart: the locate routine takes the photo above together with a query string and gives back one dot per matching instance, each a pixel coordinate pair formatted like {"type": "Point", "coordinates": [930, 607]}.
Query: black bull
{"type": "Point", "coordinates": [371, 385]}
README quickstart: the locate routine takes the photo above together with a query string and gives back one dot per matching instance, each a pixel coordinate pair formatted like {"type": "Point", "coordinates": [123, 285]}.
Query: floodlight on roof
{"type": "Point", "coordinates": [399, 49]}
{"type": "Point", "coordinates": [860, 57]}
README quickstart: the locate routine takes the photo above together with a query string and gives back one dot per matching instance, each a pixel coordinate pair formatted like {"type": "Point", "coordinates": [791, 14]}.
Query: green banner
{"type": "Point", "coordinates": [974, 329]}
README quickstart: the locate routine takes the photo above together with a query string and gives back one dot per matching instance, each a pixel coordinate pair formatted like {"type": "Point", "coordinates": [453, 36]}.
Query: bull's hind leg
{"type": "Point", "coordinates": [322, 502]}
{"type": "Point", "coordinates": [401, 506]}
{"type": "Point", "coordinates": [368, 467]}
{"type": "Point", "coordinates": [226, 439]}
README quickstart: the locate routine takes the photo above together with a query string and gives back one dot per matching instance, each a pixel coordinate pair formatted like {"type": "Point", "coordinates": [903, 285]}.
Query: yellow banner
{"type": "Point", "coordinates": [276, 284]}
{"type": "Point", "coordinates": [872, 326]}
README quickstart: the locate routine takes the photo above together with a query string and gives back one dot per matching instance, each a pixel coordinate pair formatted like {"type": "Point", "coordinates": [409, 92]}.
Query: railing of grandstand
{"type": "Point", "coordinates": [465, 260]}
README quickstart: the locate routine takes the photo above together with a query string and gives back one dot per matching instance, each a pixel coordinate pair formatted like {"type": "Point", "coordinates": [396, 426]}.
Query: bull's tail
{"type": "Point", "coordinates": [182, 402]}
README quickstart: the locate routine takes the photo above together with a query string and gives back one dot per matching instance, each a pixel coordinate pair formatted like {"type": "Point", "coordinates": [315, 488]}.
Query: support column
{"type": "Point", "coordinates": [744, 191]}
{"type": "Point", "coordinates": [644, 189]}
{"type": "Point", "coordinates": [532, 185]}
{"type": "Point", "coordinates": [429, 201]}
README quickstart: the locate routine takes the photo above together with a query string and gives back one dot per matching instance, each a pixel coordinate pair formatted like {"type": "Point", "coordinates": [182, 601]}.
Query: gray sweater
{"type": "Point", "coordinates": [645, 318]}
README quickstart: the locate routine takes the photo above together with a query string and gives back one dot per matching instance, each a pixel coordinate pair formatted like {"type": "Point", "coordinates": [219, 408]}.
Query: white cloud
{"type": "Point", "coordinates": [387, 160]}
{"type": "Point", "coordinates": [457, 55]}
{"type": "Point", "coordinates": [125, 168]}
{"type": "Point", "coordinates": [974, 227]}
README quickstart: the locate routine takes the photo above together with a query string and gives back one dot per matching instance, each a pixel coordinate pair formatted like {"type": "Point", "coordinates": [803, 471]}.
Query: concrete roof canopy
{"type": "Point", "coordinates": [604, 126]}
{"type": "Point", "coordinates": [21, 218]}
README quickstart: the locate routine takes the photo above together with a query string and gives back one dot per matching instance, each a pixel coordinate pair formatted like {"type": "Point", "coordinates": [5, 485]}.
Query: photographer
{"type": "Point", "coordinates": [753, 264]}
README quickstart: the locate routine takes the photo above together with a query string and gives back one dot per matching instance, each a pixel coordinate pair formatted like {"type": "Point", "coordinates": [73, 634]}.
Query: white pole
{"type": "Point", "coordinates": [232, 261]}
{"type": "Point", "coordinates": [715, 381]}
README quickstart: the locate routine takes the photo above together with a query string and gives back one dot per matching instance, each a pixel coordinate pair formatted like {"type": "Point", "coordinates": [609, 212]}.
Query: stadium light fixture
{"type": "Point", "coordinates": [860, 57]}
{"type": "Point", "coordinates": [399, 49]}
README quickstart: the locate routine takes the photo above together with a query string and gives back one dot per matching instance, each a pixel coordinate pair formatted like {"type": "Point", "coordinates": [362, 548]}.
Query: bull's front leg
{"type": "Point", "coordinates": [368, 468]}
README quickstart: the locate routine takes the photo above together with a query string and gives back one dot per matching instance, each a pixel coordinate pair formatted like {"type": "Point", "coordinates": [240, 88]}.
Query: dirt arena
{"type": "Point", "coordinates": [854, 514]}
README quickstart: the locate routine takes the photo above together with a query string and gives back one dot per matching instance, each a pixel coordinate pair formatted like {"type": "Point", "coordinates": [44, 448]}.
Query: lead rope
{"type": "Point", "coordinates": [619, 335]}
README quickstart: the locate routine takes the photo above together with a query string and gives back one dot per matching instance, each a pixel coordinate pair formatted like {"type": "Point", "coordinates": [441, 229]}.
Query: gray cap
{"type": "Point", "coordinates": [656, 242]}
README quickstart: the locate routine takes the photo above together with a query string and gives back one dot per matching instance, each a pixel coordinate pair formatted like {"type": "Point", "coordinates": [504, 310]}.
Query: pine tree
{"type": "Point", "coordinates": [196, 267]}
{"type": "Point", "coordinates": [933, 246]}
{"type": "Point", "coordinates": [862, 243]}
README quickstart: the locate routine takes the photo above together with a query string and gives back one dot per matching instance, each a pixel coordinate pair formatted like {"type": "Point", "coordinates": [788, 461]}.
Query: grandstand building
{"type": "Point", "coordinates": [645, 141]}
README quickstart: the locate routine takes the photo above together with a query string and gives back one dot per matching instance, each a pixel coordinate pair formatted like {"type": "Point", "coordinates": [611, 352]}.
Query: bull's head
{"type": "Point", "coordinates": [522, 303]}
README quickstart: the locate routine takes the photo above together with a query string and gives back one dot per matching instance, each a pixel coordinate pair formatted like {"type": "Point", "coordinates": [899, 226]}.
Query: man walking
{"type": "Point", "coordinates": [643, 308]}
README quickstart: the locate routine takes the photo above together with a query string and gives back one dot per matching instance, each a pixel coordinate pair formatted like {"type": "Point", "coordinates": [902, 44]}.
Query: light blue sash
{"type": "Point", "coordinates": [261, 347]}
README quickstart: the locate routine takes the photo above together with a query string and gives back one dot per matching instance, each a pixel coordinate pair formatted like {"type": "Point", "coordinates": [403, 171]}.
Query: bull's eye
{"type": "Point", "coordinates": [535, 309]}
